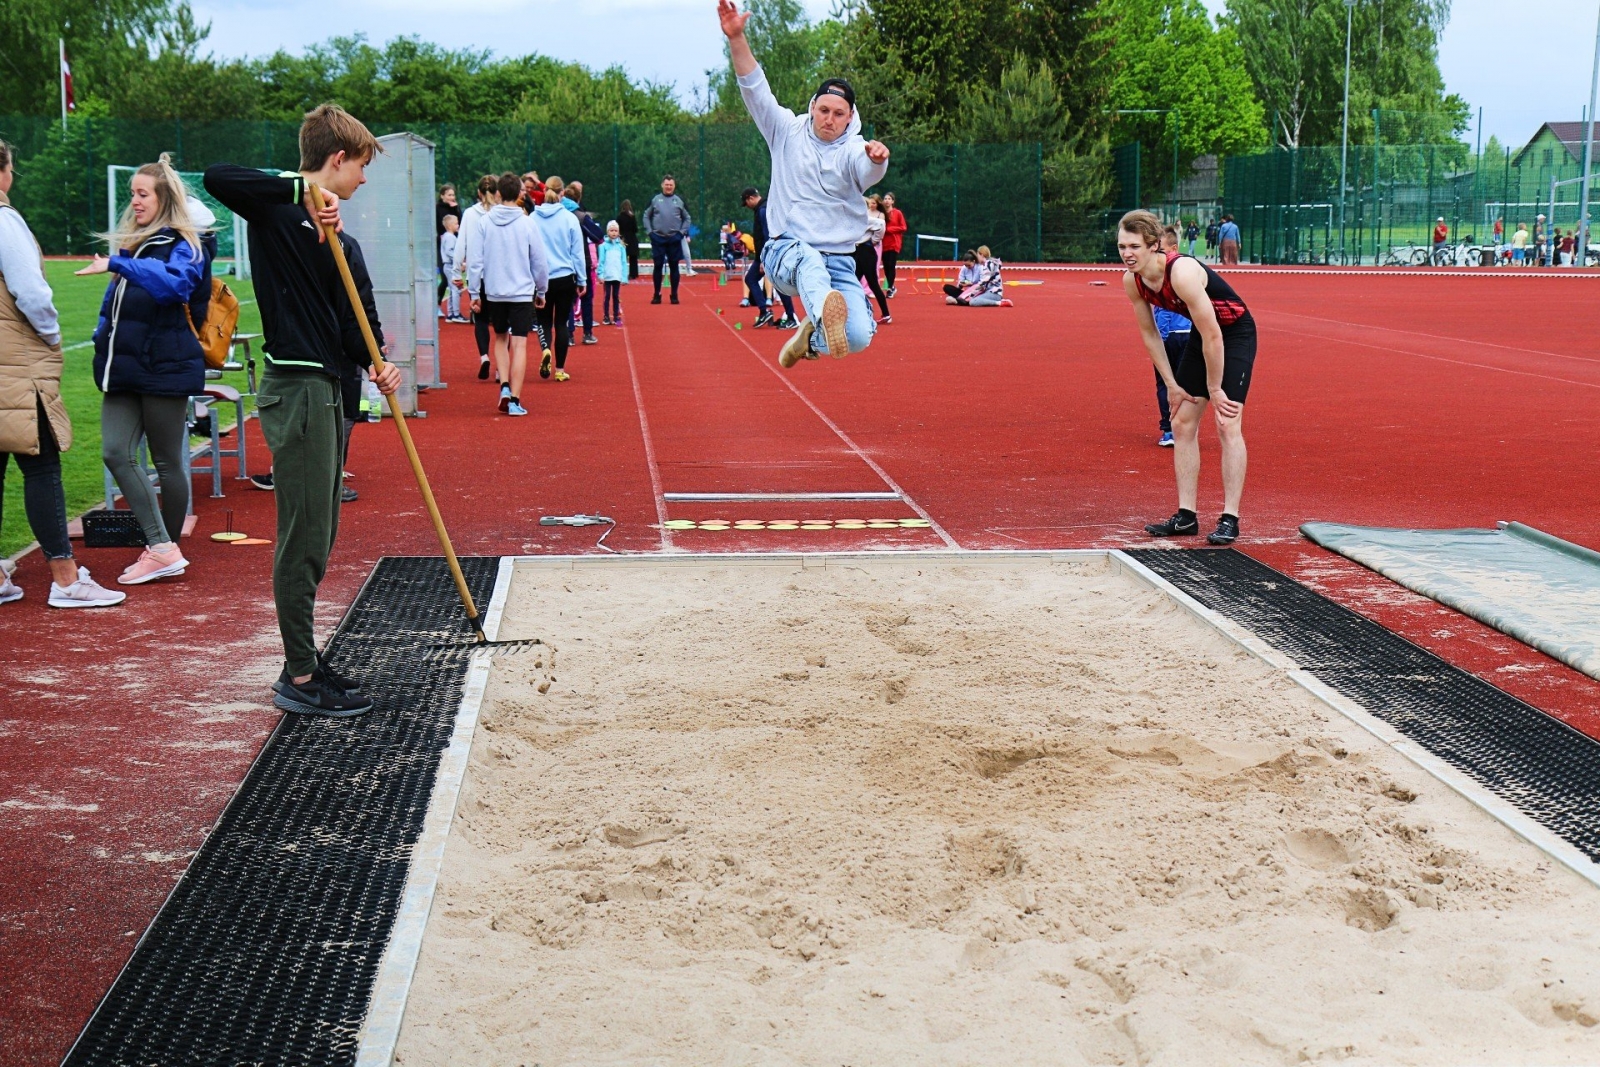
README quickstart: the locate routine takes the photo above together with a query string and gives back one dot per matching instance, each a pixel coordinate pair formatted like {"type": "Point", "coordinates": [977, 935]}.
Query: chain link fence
{"type": "Point", "coordinates": [980, 194]}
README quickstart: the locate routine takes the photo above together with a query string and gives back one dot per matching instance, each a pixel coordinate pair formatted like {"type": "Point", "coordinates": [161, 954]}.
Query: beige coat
{"type": "Point", "coordinates": [30, 374]}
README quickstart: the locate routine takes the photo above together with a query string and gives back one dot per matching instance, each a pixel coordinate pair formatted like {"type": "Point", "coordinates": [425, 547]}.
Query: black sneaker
{"type": "Point", "coordinates": [590, 339]}
{"type": "Point", "coordinates": [340, 681]}
{"type": "Point", "coordinates": [262, 481]}
{"type": "Point", "coordinates": [674, 298]}
{"type": "Point", "coordinates": [656, 299]}
{"type": "Point", "coordinates": [1177, 526]}
{"type": "Point", "coordinates": [318, 696]}
{"type": "Point", "coordinates": [1226, 533]}
{"type": "Point", "coordinates": [483, 370]}
{"type": "Point", "coordinates": [348, 495]}
{"type": "Point", "coordinates": [763, 319]}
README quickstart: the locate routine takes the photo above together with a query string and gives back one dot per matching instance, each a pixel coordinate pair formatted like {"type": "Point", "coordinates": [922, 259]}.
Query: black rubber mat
{"type": "Point", "coordinates": [1541, 765]}
{"type": "Point", "coordinates": [266, 950]}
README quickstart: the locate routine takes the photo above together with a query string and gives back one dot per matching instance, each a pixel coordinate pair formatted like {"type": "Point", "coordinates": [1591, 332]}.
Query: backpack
{"type": "Point", "coordinates": [219, 316]}
{"type": "Point", "coordinates": [213, 311]}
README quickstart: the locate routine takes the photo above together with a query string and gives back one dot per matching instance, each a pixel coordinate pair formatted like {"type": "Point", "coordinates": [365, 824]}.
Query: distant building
{"type": "Point", "coordinates": [1557, 144]}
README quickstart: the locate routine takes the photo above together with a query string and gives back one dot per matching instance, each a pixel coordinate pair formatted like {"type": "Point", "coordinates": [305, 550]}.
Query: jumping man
{"type": "Point", "coordinates": [821, 169]}
{"type": "Point", "coordinates": [1215, 366]}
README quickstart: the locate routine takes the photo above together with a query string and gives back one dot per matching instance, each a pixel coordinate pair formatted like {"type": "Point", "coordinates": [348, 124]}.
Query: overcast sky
{"type": "Point", "coordinates": [1497, 54]}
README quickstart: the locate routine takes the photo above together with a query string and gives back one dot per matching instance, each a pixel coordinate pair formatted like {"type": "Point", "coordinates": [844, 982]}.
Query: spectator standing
{"type": "Point", "coordinates": [470, 232]}
{"type": "Point", "coordinates": [1540, 241]}
{"type": "Point", "coordinates": [894, 234]}
{"type": "Point", "coordinates": [563, 247]}
{"type": "Point", "coordinates": [613, 273]}
{"type": "Point", "coordinates": [1568, 245]}
{"type": "Point", "coordinates": [1191, 233]}
{"type": "Point", "coordinates": [1228, 240]}
{"type": "Point", "coordinates": [866, 255]}
{"type": "Point", "coordinates": [446, 205]}
{"type": "Point", "coordinates": [666, 220]}
{"type": "Point", "coordinates": [508, 277]}
{"type": "Point", "coordinates": [532, 194]}
{"type": "Point", "coordinates": [1519, 245]}
{"type": "Point", "coordinates": [147, 359]}
{"type": "Point", "coordinates": [592, 236]}
{"type": "Point", "coordinates": [34, 427]}
{"type": "Point", "coordinates": [755, 275]}
{"type": "Point", "coordinates": [450, 303]}
{"type": "Point", "coordinates": [1212, 229]}
{"type": "Point", "coordinates": [1441, 237]}
{"type": "Point", "coordinates": [1499, 232]}
{"type": "Point", "coordinates": [628, 228]}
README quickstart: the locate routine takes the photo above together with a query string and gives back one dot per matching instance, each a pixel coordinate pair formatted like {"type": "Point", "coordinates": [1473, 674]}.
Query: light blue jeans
{"type": "Point", "coordinates": [797, 269]}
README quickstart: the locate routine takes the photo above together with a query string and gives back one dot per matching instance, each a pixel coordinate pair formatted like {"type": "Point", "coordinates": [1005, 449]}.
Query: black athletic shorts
{"type": "Point", "coordinates": [510, 316]}
{"type": "Point", "coordinates": [1239, 359]}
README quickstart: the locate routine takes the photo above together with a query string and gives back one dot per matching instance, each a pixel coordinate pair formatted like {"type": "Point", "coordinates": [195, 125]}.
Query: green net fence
{"type": "Point", "coordinates": [980, 194]}
{"type": "Point", "coordinates": [1292, 208]}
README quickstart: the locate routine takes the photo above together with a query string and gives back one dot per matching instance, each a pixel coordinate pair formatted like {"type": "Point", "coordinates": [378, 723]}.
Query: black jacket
{"type": "Point", "coordinates": [305, 313]}
{"type": "Point", "coordinates": [144, 343]}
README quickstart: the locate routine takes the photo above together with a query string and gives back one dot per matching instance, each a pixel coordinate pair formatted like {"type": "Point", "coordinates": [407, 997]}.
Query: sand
{"type": "Point", "coordinates": [927, 813]}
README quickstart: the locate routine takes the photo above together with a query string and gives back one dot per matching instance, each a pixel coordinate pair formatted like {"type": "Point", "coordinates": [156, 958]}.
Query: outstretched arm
{"type": "Point", "coordinates": [733, 20]}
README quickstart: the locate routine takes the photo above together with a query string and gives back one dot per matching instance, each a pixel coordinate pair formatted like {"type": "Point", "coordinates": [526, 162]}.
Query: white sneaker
{"type": "Point", "coordinates": [84, 593]}
{"type": "Point", "coordinates": [8, 592]}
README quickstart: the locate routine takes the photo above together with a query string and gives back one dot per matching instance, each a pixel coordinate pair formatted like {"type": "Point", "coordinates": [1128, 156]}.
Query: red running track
{"type": "Point", "coordinates": [1400, 399]}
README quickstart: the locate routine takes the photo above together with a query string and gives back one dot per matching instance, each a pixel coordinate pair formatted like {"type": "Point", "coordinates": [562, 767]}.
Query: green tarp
{"type": "Point", "coordinates": [1523, 582]}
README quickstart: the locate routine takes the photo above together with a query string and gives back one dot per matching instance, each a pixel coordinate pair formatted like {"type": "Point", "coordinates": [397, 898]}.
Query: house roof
{"type": "Point", "coordinates": [1570, 134]}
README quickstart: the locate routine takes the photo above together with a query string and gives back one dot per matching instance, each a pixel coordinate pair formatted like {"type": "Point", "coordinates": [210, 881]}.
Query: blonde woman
{"type": "Point", "coordinates": [867, 256]}
{"type": "Point", "coordinates": [34, 427]}
{"type": "Point", "coordinates": [147, 360]}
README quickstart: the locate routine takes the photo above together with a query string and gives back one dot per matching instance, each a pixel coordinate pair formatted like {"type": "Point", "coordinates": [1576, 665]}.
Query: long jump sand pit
{"type": "Point", "coordinates": [897, 811]}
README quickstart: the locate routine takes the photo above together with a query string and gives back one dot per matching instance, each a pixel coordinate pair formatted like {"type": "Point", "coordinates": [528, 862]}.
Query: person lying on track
{"type": "Point", "coordinates": [1215, 367]}
{"type": "Point", "coordinates": [305, 316]}
{"type": "Point", "coordinates": [821, 169]}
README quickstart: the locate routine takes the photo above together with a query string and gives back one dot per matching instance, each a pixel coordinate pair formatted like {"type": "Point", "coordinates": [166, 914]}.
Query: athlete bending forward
{"type": "Point", "coordinates": [1215, 365]}
{"type": "Point", "coordinates": [821, 167]}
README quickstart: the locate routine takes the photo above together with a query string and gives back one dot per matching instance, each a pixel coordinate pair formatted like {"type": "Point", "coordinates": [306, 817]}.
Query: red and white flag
{"type": "Point", "coordinates": [68, 102]}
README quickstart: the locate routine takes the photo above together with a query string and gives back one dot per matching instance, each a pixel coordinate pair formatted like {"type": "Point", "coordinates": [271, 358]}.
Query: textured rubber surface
{"type": "Point", "coordinates": [1545, 768]}
{"type": "Point", "coordinates": [266, 950]}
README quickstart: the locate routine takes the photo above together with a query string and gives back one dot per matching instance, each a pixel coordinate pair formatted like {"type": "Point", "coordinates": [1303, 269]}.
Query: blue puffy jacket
{"type": "Point", "coordinates": [144, 343]}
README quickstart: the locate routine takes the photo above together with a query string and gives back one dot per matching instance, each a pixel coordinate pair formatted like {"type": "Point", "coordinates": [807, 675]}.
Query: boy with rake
{"type": "Point", "coordinates": [821, 169]}
{"type": "Point", "coordinates": [308, 322]}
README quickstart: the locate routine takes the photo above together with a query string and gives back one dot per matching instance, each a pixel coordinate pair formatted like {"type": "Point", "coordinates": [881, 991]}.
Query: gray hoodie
{"type": "Point", "coordinates": [817, 189]}
{"type": "Point", "coordinates": [666, 216]}
{"type": "Point", "coordinates": [505, 259]}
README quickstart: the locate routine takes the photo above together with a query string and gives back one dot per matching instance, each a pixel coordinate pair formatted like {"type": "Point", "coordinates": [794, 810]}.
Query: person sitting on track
{"type": "Point", "coordinates": [821, 169]}
{"type": "Point", "coordinates": [979, 284]}
{"type": "Point", "coordinates": [1216, 365]}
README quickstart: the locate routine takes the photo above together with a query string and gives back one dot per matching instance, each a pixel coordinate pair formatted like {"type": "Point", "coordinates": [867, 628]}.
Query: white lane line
{"type": "Point", "coordinates": [649, 444]}
{"type": "Point", "coordinates": [1391, 350]}
{"type": "Point", "coordinates": [1434, 336]}
{"type": "Point", "coordinates": [1505, 813]}
{"type": "Point", "coordinates": [830, 424]}
{"type": "Point", "coordinates": [380, 1030]}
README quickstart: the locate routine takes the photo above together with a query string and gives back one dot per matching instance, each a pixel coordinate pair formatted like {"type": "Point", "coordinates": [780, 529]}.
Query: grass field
{"type": "Point", "coordinates": [78, 301]}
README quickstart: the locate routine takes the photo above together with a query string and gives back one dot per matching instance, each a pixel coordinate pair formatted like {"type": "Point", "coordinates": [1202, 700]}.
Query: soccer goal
{"type": "Point", "coordinates": [938, 242]}
{"type": "Point", "coordinates": [230, 229]}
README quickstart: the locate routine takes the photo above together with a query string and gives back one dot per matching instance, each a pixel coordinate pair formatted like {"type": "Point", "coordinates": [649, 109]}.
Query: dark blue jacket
{"type": "Point", "coordinates": [144, 343]}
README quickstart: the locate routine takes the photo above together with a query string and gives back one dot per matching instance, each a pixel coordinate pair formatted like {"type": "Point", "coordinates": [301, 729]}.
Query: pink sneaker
{"type": "Point", "coordinates": [84, 593]}
{"type": "Point", "coordinates": [153, 564]}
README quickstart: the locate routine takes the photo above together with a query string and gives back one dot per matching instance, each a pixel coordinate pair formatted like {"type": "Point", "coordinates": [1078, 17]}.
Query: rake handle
{"type": "Point", "coordinates": [410, 446]}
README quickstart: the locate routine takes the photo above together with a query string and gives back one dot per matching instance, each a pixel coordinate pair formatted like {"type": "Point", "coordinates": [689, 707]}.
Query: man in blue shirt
{"type": "Point", "coordinates": [1228, 235]}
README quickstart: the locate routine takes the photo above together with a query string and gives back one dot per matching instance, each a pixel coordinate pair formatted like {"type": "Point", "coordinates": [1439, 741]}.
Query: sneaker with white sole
{"type": "Point", "coordinates": [8, 592]}
{"type": "Point", "coordinates": [516, 409]}
{"type": "Point", "coordinates": [835, 313]}
{"type": "Point", "coordinates": [798, 347]}
{"type": "Point", "coordinates": [152, 564]}
{"type": "Point", "coordinates": [505, 398]}
{"type": "Point", "coordinates": [84, 593]}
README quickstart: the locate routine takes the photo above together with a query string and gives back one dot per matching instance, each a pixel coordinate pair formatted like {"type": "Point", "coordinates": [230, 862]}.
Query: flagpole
{"type": "Point", "coordinates": [61, 76]}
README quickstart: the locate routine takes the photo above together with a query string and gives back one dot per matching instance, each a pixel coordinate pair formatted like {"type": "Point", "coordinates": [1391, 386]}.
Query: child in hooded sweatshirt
{"type": "Point", "coordinates": [821, 169]}
{"type": "Point", "coordinates": [508, 275]}
{"type": "Point", "coordinates": [563, 245]}
{"type": "Point", "coordinates": [449, 304]}
{"type": "Point", "coordinates": [613, 272]}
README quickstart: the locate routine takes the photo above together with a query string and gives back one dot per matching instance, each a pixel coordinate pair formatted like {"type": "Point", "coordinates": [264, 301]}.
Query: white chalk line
{"type": "Point", "coordinates": [1391, 350]}
{"type": "Point", "coordinates": [877, 469]}
{"type": "Point", "coordinates": [649, 444]}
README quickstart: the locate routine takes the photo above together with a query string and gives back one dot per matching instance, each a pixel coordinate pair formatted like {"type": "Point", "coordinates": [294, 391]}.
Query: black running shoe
{"type": "Point", "coordinates": [656, 299]}
{"type": "Point", "coordinates": [1226, 533]}
{"type": "Point", "coordinates": [483, 370]}
{"type": "Point", "coordinates": [318, 696]}
{"type": "Point", "coordinates": [674, 298]}
{"type": "Point", "coordinates": [763, 319]}
{"type": "Point", "coordinates": [1177, 526]}
{"type": "Point", "coordinates": [340, 681]}
{"type": "Point", "coordinates": [262, 481]}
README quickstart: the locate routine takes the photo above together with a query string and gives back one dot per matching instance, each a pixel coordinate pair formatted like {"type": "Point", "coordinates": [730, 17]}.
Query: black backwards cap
{"type": "Point", "coordinates": [837, 87]}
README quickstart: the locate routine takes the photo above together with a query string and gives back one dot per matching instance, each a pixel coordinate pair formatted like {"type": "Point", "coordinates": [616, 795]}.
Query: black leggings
{"type": "Point", "coordinates": [890, 261]}
{"type": "Point", "coordinates": [867, 271]}
{"type": "Point", "coordinates": [555, 318]}
{"type": "Point", "coordinates": [666, 252]}
{"type": "Point", "coordinates": [480, 332]}
{"type": "Point", "coordinates": [42, 495]}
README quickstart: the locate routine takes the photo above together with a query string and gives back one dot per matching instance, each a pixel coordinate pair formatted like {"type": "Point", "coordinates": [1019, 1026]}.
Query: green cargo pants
{"type": "Point", "coordinates": [302, 419]}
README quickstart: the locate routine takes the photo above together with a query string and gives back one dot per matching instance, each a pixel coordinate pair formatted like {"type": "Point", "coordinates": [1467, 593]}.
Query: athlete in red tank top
{"type": "Point", "coordinates": [1215, 367]}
